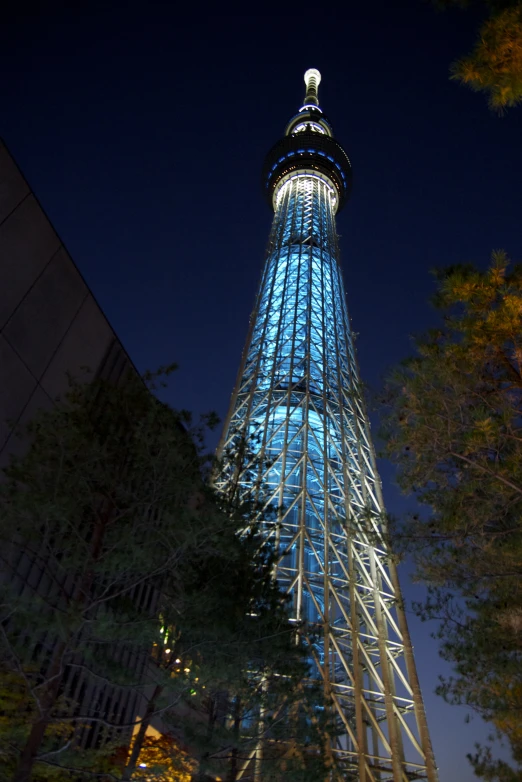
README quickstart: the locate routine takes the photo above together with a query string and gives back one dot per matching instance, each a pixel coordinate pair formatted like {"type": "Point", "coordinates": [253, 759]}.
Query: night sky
{"type": "Point", "coordinates": [143, 135]}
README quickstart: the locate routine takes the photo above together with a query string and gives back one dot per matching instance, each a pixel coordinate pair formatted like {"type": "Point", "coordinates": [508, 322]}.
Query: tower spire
{"type": "Point", "coordinates": [297, 441]}
{"type": "Point", "coordinates": [312, 80]}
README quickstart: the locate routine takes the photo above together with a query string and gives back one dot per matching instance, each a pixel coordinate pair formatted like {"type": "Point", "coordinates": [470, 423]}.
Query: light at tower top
{"type": "Point", "coordinates": [312, 80]}
{"type": "Point", "coordinates": [308, 147]}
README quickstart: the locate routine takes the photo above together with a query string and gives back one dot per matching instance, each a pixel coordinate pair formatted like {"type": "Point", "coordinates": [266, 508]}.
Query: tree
{"type": "Point", "coordinates": [17, 708]}
{"type": "Point", "coordinates": [162, 760]}
{"type": "Point", "coordinates": [115, 548]}
{"type": "Point", "coordinates": [231, 656]}
{"type": "Point", "coordinates": [229, 635]}
{"type": "Point", "coordinates": [454, 429]}
{"type": "Point", "coordinates": [495, 64]}
{"type": "Point", "coordinates": [17, 712]}
{"type": "Point", "coordinates": [107, 502]}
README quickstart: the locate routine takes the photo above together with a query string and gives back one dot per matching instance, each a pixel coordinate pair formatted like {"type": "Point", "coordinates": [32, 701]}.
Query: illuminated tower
{"type": "Point", "coordinates": [298, 404]}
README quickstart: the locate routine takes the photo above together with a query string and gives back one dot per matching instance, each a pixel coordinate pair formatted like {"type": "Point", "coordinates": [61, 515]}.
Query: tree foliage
{"type": "Point", "coordinates": [240, 653]}
{"type": "Point", "coordinates": [114, 548]}
{"type": "Point", "coordinates": [454, 428]}
{"type": "Point", "coordinates": [104, 505]}
{"type": "Point", "coordinates": [495, 64]}
{"type": "Point", "coordinates": [162, 760]}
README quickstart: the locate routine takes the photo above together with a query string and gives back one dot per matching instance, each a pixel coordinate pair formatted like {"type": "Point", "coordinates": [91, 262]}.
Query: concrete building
{"type": "Point", "coordinates": [50, 323]}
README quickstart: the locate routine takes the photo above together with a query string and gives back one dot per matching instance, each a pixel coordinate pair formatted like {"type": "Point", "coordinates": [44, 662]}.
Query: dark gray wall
{"type": "Point", "coordinates": [49, 320]}
{"type": "Point", "coordinates": [50, 325]}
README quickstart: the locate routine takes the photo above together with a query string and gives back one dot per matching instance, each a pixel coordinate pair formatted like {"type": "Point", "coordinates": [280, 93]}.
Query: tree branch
{"type": "Point", "coordinates": [486, 470]}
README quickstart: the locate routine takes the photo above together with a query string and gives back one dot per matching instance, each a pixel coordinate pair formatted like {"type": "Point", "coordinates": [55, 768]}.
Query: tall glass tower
{"type": "Point", "coordinates": [298, 406]}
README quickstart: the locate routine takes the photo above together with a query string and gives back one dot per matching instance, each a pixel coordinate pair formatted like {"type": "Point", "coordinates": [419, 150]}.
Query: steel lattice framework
{"type": "Point", "coordinates": [298, 402]}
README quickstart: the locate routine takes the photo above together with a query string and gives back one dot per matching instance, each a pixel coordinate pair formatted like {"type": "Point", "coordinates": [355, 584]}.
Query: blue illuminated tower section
{"type": "Point", "coordinates": [297, 419]}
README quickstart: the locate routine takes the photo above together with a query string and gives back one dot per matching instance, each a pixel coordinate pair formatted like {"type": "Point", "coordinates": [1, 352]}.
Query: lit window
{"type": "Point", "coordinates": [309, 127]}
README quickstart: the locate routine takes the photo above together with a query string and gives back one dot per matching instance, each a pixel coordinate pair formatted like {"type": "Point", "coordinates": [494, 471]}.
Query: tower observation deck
{"type": "Point", "coordinates": [298, 404]}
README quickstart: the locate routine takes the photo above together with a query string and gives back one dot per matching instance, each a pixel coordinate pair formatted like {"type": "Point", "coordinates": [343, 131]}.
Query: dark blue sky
{"type": "Point", "coordinates": [143, 135]}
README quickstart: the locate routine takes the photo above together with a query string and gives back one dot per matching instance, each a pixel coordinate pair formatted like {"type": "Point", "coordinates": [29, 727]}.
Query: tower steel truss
{"type": "Point", "coordinates": [298, 403]}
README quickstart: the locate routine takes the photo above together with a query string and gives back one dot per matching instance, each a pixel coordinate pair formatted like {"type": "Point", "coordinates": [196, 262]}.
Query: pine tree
{"type": "Point", "coordinates": [115, 547]}
{"type": "Point", "coordinates": [104, 504]}
{"type": "Point", "coordinates": [233, 644]}
{"type": "Point", "coordinates": [495, 64]}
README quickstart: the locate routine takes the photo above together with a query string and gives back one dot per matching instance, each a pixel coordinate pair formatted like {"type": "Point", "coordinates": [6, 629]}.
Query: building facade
{"type": "Point", "coordinates": [50, 327]}
{"type": "Point", "coordinates": [50, 323]}
{"type": "Point", "coordinates": [297, 439]}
